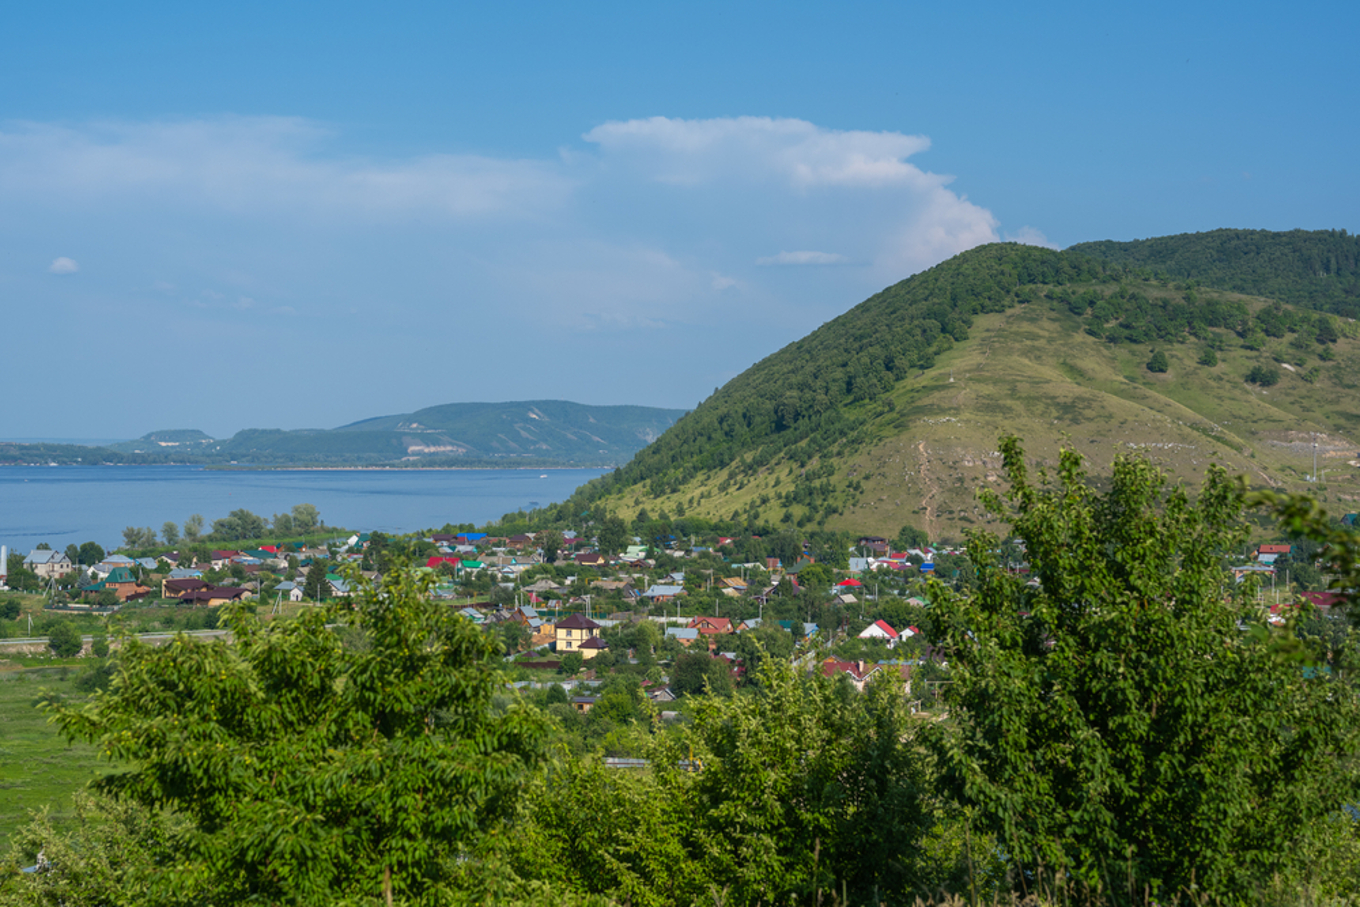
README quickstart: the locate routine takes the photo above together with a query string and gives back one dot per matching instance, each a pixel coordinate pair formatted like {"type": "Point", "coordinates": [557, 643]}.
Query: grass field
{"type": "Point", "coordinates": [37, 767]}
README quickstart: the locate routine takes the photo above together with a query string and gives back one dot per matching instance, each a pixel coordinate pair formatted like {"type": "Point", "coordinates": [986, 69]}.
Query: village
{"type": "Point", "coordinates": [680, 614]}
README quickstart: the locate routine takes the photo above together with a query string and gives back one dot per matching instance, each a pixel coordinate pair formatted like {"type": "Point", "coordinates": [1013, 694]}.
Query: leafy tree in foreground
{"type": "Point", "coordinates": [803, 786]}
{"type": "Point", "coordinates": [1116, 726]}
{"type": "Point", "coordinates": [315, 771]}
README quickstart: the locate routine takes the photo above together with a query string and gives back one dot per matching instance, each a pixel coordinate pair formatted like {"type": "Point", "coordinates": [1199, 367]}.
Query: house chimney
{"type": "Point", "coordinates": [861, 667]}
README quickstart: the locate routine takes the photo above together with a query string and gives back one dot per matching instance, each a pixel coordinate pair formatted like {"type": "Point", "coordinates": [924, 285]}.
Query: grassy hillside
{"type": "Point", "coordinates": [1318, 269]}
{"type": "Point", "coordinates": [889, 415]}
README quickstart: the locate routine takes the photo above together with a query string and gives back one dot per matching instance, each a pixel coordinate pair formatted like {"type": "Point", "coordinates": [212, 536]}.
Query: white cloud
{"type": "Point", "coordinates": [802, 153]}
{"type": "Point", "coordinates": [803, 258]}
{"type": "Point", "coordinates": [852, 189]}
{"type": "Point", "coordinates": [1031, 236]}
{"type": "Point", "coordinates": [63, 265]}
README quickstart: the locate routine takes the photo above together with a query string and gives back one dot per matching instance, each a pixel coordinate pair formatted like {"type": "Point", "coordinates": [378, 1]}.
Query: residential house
{"type": "Point", "coordinates": [880, 629]}
{"type": "Point", "coordinates": [662, 593]}
{"type": "Point", "coordinates": [571, 631]}
{"type": "Point", "coordinates": [859, 673]}
{"type": "Point", "coordinates": [686, 635]}
{"type": "Point", "coordinates": [49, 564]}
{"type": "Point", "coordinates": [174, 588]}
{"type": "Point", "coordinates": [592, 647]}
{"type": "Point", "coordinates": [121, 583]}
{"type": "Point", "coordinates": [214, 596]}
{"type": "Point", "coordinates": [709, 627]}
{"type": "Point", "coordinates": [1268, 554]}
{"type": "Point", "coordinates": [288, 588]}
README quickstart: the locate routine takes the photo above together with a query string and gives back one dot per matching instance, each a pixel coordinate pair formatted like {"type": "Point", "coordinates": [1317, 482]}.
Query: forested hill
{"type": "Point", "coordinates": [1317, 269]}
{"type": "Point", "coordinates": [808, 391]}
{"type": "Point", "coordinates": [525, 433]}
{"type": "Point", "coordinates": [889, 414]}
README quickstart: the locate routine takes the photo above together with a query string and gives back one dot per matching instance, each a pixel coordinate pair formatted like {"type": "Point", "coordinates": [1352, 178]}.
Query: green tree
{"type": "Point", "coordinates": [613, 535]}
{"type": "Point", "coordinates": [315, 771]}
{"type": "Point", "coordinates": [99, 648]}
{"type": "Point", "coordinates": [1264, 375]}
{"type": "Point", "coordinates": [697, 672]}
{"type": "Point", "coordinates": [108, 852]}
{"type": "Point", "coordinates": [193, 528]}
{"type": "Point", "coordinates": [10, 609]}
{"type": "Point", "coordinates": [1208, 357]}
{"type": "Point", "coordinates": [239, 524]}
{"type": "Point", "coordinates": [64, 639]}
{"type": "Point", "coordinates": [551, 541]}
{"type": "Point", "coordinates": [136, 538]}
{"type": "Point", "coordinates": [170, 532]}
{"type": "Point", "coordinates": [806, 786]}
{"type": "Point", "coordinates": [315, 585]}
{"type": "Point", "coordinates": [305, 518]}
{"type": "Point", "coordinates": [571, 663]}
{"type": "Point", "coordinates": [1115, 724]}
{"type": "Point", "coordinates": [1158, 363]}
{"type": "Point", "coordinates": [910, 537]}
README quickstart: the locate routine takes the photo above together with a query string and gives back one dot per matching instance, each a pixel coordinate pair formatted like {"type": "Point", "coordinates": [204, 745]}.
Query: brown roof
{"type": "Point", "coordinates": [577, 622]}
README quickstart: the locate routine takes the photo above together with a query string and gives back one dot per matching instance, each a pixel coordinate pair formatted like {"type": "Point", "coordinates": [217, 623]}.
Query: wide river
{"type": "Point", "coordinates": [64, 504]}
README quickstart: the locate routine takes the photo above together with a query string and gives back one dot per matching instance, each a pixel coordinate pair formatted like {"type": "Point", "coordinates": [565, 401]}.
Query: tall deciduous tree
{"type": "Point", "coordinates": [1116, 724]}
{"type": "Point", "coordinates": [313, 771]}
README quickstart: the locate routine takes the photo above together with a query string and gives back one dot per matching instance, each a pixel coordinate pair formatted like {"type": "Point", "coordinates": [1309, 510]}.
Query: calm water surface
{"type": "Point", "coordinates": [64, 504]}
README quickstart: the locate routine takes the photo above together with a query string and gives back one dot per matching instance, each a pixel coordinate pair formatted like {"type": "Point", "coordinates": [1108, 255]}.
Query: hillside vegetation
{"type": "Point", "coordinates": [1318, 269]}
{"type": "Point", "coordinates": [889, 414]}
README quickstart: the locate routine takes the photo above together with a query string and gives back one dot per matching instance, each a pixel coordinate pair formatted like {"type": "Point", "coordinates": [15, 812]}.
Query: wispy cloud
{"type": "Point", "coordinates": [258, 165]}
{"type": "Point", "coordinates": [63, 265]}
{"type": "Point", "coordinates": [803, 258]}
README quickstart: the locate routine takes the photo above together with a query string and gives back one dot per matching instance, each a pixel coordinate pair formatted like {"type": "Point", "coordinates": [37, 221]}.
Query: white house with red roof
{"type": "Point", "coordinates": [880, 629]}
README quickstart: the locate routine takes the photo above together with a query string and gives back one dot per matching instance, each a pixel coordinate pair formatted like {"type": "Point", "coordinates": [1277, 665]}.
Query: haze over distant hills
{"type": "Point", "coordinates": [537, 432]}
{"type": "Point", "coordinates": [889, 414]}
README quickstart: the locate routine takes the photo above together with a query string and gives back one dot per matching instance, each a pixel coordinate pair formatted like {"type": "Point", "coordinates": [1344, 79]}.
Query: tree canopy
{"type": "Point", "coordinates": [1118, 721]}
{"type": "Point", "coordinates": [318, 764]}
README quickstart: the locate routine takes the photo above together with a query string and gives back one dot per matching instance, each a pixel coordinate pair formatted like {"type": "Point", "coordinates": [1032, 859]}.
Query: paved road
{"type": "Point", "coordinates": [161, 636]}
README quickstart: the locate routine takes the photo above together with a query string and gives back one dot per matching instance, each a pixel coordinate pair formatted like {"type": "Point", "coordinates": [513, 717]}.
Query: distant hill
{"type": "Point", "coordinates": [1318, 269]}
{"type": "Point", "coordinates": [889, 414]}
{"type": "Point", "coordinates": [537, 432]}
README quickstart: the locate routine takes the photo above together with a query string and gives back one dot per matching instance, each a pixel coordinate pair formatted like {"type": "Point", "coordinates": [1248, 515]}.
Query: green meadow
{"type": "Point", "coordinates": [37, 767]}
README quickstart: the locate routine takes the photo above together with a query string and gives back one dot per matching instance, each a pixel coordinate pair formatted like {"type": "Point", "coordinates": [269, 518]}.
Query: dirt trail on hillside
{"type": "Point", "coordinates": [932, 489]}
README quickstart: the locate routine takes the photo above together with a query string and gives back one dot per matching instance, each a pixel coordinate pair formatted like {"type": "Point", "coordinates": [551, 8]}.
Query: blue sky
{"type": "Point", "coordinates": [300, 215]}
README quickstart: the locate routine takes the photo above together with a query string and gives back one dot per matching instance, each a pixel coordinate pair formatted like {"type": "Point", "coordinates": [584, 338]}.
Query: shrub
{"type": "Point", "coordinates": [64, 640]}
{"type": "Point", "coordinates": [1264, 375]}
